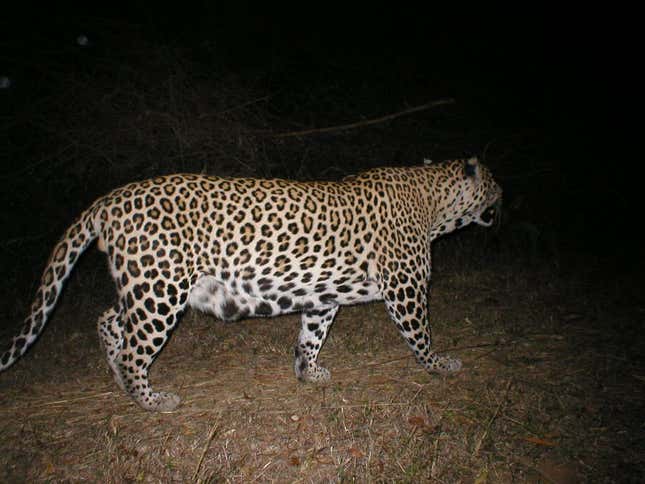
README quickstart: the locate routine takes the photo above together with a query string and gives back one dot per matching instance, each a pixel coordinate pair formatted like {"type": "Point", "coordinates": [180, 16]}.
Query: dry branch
{"type": "Point", "coordinates": [210, 438]}
{"type": "Point", "coordinates": [492, 419]}
{"type": "Point", "coordinates": [367, 122]}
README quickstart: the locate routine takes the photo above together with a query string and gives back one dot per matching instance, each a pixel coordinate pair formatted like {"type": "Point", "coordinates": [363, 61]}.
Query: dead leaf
{"type": "Point", "coordinates": [591, 409]}
{"type": "Point", "coordinates": [294, 460]}
{"type": "Point", "coordinates": [558, 472]}
{"type": "Point", "coordinates": [482, 476]}
{"type": "Point", "coordinates": [539, 441]}
{"type": "Point", "coordinates": [354, 452]}
{"type": "Point", "coordinates": [380, 380]}
{"type": "Point", "coordinates": [417, 421]}
{"type": "Point", "coordinates": [571, 317]}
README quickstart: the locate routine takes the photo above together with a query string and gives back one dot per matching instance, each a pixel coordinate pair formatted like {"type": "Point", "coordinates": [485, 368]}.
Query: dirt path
{"type": "Point", "coordinates": [552, 391]}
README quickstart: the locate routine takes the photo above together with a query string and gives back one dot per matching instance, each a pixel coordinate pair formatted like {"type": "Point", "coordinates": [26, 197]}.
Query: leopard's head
{"type": "Point", "coordinates": [464, 191]}
{"type": "Point", "coordinates": [481, 195]}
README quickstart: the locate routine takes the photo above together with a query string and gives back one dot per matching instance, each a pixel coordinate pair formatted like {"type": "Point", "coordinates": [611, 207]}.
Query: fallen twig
{"type": "Point", "coordinates": [367, 122]}
{"type": "Point", "coordinates": [75, 399]}
{"type": "Point", "coordinates": [233, 108]}
{"type": "Point", "coordinates": [492, 419]}
{"type": "Point", "coordinates": [210, 438]}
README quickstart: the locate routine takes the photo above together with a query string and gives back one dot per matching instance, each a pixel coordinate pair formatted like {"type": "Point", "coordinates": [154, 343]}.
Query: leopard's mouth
{"type": "Point", "coordinates": [490, 215]}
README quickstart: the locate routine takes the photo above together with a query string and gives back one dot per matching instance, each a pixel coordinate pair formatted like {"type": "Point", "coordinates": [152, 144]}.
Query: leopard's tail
{"type": "Point", "coordinates": [61, 262]}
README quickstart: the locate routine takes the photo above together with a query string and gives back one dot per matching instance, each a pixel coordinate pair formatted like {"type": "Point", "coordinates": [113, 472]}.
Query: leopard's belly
{"type": "Point", "coordinates": [229, 302]}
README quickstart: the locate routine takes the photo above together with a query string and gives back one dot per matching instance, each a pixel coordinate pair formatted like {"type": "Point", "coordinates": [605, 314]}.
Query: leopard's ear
{"type": "Point", "coordinates": [471, 167]}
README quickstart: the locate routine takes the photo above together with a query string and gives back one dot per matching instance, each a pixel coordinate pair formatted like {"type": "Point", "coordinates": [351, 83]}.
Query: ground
{"type": "Point", "coordinates": [551, 391]}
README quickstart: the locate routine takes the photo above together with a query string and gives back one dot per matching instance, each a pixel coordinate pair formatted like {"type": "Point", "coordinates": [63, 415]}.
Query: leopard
{"type": "Point", "coordinates": [240, 248]}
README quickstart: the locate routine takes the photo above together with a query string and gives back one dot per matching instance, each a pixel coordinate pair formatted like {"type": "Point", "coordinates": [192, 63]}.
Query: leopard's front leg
{"type": "Point", "coordinates": [407, 305]}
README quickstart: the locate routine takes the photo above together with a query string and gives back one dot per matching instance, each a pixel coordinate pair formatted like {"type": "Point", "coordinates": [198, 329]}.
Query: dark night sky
{"type": "Point", "coordinates": [520, 63]}
{"type": "Point", "coordinates": [528, 63]}
{"type": "Point", "coordinates": [522, 53]}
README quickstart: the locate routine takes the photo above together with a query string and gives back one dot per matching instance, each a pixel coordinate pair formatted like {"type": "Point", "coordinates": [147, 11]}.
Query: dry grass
{"type": "Point", "coordinates": [549, 393]}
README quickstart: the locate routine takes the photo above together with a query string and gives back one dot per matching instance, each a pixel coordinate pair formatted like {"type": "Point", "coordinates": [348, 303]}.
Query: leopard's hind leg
{"type": "Point", "coordinates": [110, 328]}
{"type": "Point", "coordinates": [315, 324]}
{"type": "Point", "coordinates": [148, 322]}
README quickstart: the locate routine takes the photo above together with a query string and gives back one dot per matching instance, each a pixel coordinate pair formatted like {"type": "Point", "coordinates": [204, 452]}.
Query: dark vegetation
{"type": "Point", "coordinates": [543, 310]}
